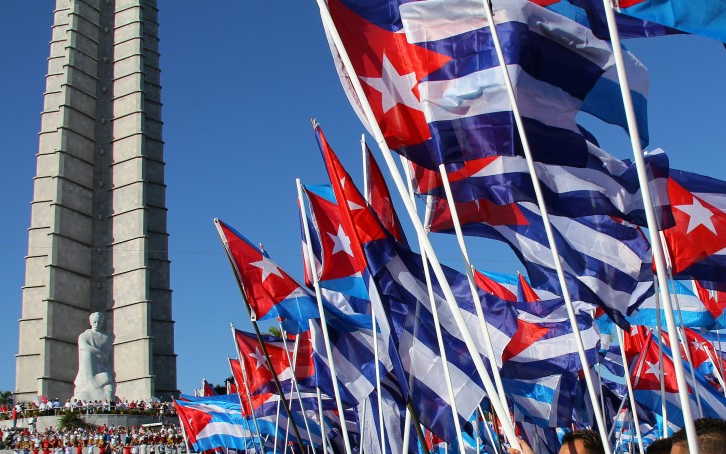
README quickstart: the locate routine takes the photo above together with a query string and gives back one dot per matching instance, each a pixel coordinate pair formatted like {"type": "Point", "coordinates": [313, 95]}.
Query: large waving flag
{"type": "Point", "coordinates": [697, 241]}
{"type": "Point", "coordinates": [701, 17]}
{"type": "Point", "coordinates": [215, 422]}
{"type": "Point", "coordinates": [606, 263]}
{"type": "Point", "coordinates": [603, 185]}
{"type": "Point", "coordinates": [396, 283]}
{"type": "Point", "coordinates": [432, 79]}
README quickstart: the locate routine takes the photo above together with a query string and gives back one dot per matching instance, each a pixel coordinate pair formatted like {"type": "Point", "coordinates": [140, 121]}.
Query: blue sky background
{"type": "Point", "coordinates": [240, 81]}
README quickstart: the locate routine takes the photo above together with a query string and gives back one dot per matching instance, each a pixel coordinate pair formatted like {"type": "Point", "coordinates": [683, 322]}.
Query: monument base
{"type": "Point", "coordinates": [44, 422]}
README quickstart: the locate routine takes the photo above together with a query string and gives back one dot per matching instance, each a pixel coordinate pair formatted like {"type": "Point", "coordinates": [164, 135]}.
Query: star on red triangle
{"type": "Point", "coordinates": [390, 68]}
{"type": "Point", "coordinates": [699, 230]}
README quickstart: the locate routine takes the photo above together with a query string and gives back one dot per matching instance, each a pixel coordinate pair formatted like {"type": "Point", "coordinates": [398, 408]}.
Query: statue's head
{"type": "Point", "coordinates": [96, 320]}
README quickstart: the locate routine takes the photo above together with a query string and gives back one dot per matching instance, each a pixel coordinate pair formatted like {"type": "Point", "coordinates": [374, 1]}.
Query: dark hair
{"type": "Point", "coordinates": [711, 434]}
{"type": "Point", "coordinates": [662, 446]}
{"type": "Point", "coordinates": [590, 439]}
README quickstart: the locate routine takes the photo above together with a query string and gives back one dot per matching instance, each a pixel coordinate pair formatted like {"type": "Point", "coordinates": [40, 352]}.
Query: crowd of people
{"type": "Point", "coordinates": [55, 407]}
{"type": "Point", "coordinates": [95, 440]}
{"type": "Point", "coordinates": [711, 435]}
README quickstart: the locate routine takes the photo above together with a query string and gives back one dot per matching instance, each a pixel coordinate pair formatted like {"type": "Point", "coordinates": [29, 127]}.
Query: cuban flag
{"type": "Point", "coordinates": [343, 282]}
{"type": "Point", "coordinates": [542, 367]}
{"type": "Point", "coordinates": [604, 185]}
{"type": "Point", "coordinates": [272, 293]}
{"type": "Point", "coordinates": [396, 285]}
{"type": "Point", "coordinates": [606, 263]}
{"type": "Point", "coordinates": [259, 376]}
{"type": "Point", "coordinates": [646, 386]}
{"type": "Point", "coordinates": [697, 240]}
{"type": "Point", "coordinates": [713, 300]}
{"type": "Point", "coordinates": [689, 310]}
{"type": "Point", "coordinates": [248, 406]}
{"type": "Point", "coordinates": [700, 17]}
{"type": "Point", "coordinates": [431, 77]}
{"type": "Point", "coordinates": [215, 422]}
{"type": "Point", "coordinates": [703, 354]}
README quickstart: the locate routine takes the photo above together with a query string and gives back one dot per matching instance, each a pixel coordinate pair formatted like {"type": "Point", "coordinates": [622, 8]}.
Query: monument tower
{"type": "Point", "coordinates": [97, 240]}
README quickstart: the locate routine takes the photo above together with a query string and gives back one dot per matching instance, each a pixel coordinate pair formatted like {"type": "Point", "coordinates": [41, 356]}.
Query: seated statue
{"type": "Point", "coordinates": [95, 377]}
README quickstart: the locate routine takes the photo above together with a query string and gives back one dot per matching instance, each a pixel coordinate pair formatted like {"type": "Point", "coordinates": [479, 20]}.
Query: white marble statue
{"type": "Point", "coordinates": [95, 377]}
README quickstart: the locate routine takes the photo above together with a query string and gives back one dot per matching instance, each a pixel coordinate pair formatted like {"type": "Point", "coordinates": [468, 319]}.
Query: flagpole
{"type": "Point", "coordinates": [472, 286]}
{"type": "Point", "coordinates": [547, 227]}
{"type": "Point", "coordinates": [437, 325]}
{"type": "Point", "coordinates": [244, 382]}
{"type": "Point", "coordinates": [323, 322]}
{"type": "Point", "coordinates": [253, 320]}
{"type": "Point", "coordinates": [366, 196]}
{"type": "Point", "coordinates": [293, 364]}
{"type": "Point", "coordinates": [681, 328]}
{"type": "Point", "coordinates": [435, 264]}
{"type": "Point", "coordinates": [631, 395]}
{"type": "Point", "coordinates": [323, 432]}
{"type": "Point", "coordinates": [277, 428]}
{"type": "Point", "coordinates": [652, 226]}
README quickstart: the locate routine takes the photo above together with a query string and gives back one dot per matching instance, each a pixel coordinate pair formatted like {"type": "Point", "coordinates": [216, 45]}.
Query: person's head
{"type": "Point", "coordinates": [711, 433]}
{"type": "Point", "coordinates": [582, 442]}
{"type": "Point", "coordinates": [96, 320]}
{"type": "Point", "coordinates": [662, 446]}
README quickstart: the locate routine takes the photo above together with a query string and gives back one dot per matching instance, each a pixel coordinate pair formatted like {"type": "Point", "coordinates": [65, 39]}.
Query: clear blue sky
{"type": "Point", "coordinates": [240, 80]}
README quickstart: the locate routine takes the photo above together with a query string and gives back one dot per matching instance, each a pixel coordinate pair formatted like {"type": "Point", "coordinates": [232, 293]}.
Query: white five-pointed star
{"type": "Point", "coordinates": [698, 215]}
{"type": "Point", "coordinates": [341, 242]}
{"type": "Point", "coordinates": [268, 267]}
{"type": "Point", "coordinates": [395, 88]}
{"type": "Point", "coordinates": [354, 206]}
{"type": "Point", "coordinates": [698, 345]}
{"type": "Point", "coordinates": [259, 358]}
{"type": "Point", "coordinates": [653, 369]}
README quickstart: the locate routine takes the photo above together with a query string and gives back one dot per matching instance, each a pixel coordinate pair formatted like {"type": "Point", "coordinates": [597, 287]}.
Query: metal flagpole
{"type": "Point", "coordinates": [293, 364]}
{"type": "Point", "coordinates": [661, 373]}
{"type": "Point", "coordinates": [652, 226]}
{"type": "Point", "coordinates": [366, 195]}
{"type": "Point", "coordinates": [435, 264]}
{"type": "Point", "coordinates": [323, 322]}
{"type": "Point", "coordinates": [681, 327]}
{"type": "Point", "coordinates": [323, 431]}
{"type": "Point", "coordinates": [631, 395]}
{"type": "Point", "coordinates": [437, 326]}
{"type": "Point", "coordinates": [242, 406]}
{"type": "Point", "coordinates": [277, 428]}
{"type": "Point", "coordinates": [253, 320]}
{"type": "Point", "coordinates": [472, 286]}
{"type": "Point", "coordinates": [244, 382]}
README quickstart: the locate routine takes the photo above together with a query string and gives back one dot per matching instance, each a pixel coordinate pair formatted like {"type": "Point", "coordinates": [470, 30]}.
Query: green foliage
{"type": "Point", "coordinates": [6, 397]}
{"type": "Point", "coordinates": [71, 421]}
{"type": "Point", "coordinates": [275, 331]}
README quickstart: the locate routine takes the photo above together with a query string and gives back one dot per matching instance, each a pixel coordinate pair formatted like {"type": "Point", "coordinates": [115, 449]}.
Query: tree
{"type": "Point", "coordinates": [6, 398]}
{"type": "Point", "coordinates": [275, 331]}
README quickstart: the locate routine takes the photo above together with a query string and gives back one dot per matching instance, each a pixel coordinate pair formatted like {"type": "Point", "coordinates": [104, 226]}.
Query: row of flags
{"type": "Point", "coordinates": [371, 357]}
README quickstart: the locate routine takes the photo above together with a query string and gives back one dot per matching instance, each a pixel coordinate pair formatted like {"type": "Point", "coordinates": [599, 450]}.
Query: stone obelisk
{"type": "Point", "coordinates": [97, 240]}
